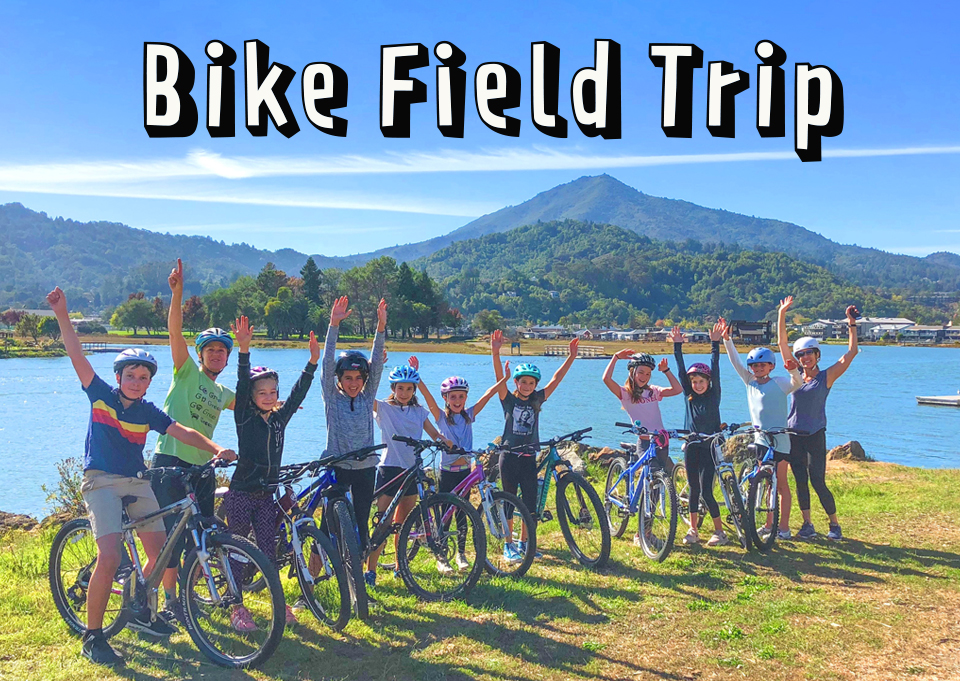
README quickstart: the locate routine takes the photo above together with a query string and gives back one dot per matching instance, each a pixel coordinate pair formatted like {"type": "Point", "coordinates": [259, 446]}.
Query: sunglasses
{"type": "Point", "coordinates": [804, 353]}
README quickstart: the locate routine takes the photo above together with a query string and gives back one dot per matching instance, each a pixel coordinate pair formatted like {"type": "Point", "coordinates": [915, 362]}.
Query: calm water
{"type": "Point", "coordinates": [44, 414]}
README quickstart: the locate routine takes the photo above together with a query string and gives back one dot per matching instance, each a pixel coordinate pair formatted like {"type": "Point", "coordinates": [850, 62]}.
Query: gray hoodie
{"type": "Point", "coordinates": [349, 421]}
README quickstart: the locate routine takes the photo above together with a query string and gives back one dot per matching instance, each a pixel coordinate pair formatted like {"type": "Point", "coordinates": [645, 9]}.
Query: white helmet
{"type": "Point", "coordinates": [806, 343]}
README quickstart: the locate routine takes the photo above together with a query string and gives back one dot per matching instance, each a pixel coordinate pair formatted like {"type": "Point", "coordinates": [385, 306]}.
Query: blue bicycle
{"type": "Point", "coordinates": [638, 485]}
{"type": "Point", "coordinates": [759, 488]}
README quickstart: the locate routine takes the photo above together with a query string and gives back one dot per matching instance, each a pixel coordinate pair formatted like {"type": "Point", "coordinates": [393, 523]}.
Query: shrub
{"type": "Point", "coordinates": [66, 497]}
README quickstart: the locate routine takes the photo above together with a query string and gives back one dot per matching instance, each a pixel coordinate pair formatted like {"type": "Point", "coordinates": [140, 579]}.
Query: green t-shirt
{"type": "Point", "coordinates": [196, 402]}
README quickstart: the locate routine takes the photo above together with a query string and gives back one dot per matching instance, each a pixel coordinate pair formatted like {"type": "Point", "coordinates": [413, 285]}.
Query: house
{"type": "Point", "coordinates": [696, 336]}
{"type": "Point", "coordinates": [543, 332]}
{"type": "Point", "coordinates": [866, 324]}
{"type": "Point", "coordinates": [752, 333]}
{"type": "Point", "coordinates": [821, 328]}
{"type": "Point", "coordinates": [553, 294]}
{"type": "Point", "coordinates": [951, 334]}
{"type": "Point", "coordinates": [596, 334]}
{"type": "Point", "coordinates": [888, 331]}
{"type": "Point", "coordinates": [921, 333]}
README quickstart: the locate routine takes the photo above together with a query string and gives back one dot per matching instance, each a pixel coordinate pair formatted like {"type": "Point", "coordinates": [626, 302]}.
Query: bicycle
{"type": "Point", "coordinates": [209, 583]}
{"type": "Point", "coordinates": [639, 486]}
{"type": "Point", "coordinates": [581, 513]}
{"type": "Point", "coordinates": [425, 528]}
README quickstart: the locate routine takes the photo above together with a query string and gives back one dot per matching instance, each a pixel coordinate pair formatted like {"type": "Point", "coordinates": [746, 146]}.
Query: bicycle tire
{"type": "Point", "coordinates": [565, 516]}
{"type": "Point", "coordinates": [761, 489]}
{"type": "Point", "coordinates": [69, 599]}
{"type": "Point", "coordinates": [412, 533]}
{"type": "Point", "coordinates": [335, 620]}
{"type": "Point", "coordinates": [526, 518]}
{"type": "Point", "coordinates": [681, 486]}
{"type": "Point", "coordinates": [737, 513]}
{"type": "Point", "coordinates": [342, 524]}
{"type": "Point", "coordinates": [251, 554]}
{"type": "Point", "coordinates": [618, 518]}
{"type": "Point", "coordinates": [665, 495]}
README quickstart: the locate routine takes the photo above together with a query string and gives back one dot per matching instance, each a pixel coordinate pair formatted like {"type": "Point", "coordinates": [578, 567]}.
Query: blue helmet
{"type": "Point", "coordinates": [135, 356]}
{"type": "Point", "coordinates": [527, 369]}
{"type": "Point", "coordinates": [404, 374]}
{"type": "Point", "coordinates": [760, 355]}
{"type": "Point", "coordinates": [214, 334]}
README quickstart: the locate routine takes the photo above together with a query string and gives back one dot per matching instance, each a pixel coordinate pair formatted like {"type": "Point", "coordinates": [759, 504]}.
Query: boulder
{"type": "Point", "coordinates": [574, 453]}
{"type": "Point", "coordinates": [16, 521]}
{"type": "Point", "coordinates": [852, 451]}
{"type": "Point", "coordinates": [735, 449]}
{"type": "Point", "coordinates": [604, 456]}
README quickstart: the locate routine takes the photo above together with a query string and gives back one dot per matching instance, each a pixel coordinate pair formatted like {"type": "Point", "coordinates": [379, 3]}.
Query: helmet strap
{"type": "Point", "coordinates": [124, 395]}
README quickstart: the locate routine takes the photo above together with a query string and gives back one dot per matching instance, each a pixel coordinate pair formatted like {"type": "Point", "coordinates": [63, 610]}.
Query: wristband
{"type": "Point", "coordinates": [667, 370]}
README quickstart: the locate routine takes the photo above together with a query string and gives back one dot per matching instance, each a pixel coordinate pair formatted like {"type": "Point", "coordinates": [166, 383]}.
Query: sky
{"type": "Point", "coordinates": [73, 144]}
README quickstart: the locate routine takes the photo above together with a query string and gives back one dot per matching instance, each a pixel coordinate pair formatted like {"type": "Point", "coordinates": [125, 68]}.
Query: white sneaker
{"type": "Point", "coordinates": [718, 539]}
{"type": "Point", "coordinates": [691, 537]}
{"type": "Point", "coordinates": [784, 534]}
{"type": "Point", "coordinates": [462, 562]}
{"type": "Point", "coordinates": [443, 567]}
{"type": "Point", "coordinates": [636, 540]}
{"type": "Point", "coordinates": [764, 533]}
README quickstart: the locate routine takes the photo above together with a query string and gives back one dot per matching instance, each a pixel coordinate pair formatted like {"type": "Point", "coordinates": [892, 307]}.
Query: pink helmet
{"type": "Point", "coordinates": [699, 368]}
{"type": "Point", "coordinates": [454, 383]}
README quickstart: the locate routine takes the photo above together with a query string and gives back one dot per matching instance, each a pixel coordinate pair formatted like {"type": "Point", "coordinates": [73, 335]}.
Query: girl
{"type": "Point", "coordinates": [522, 428]}
{"type": "Point", "coordinates": [701, 386]}
{"type": "Point", "coordinates": [767, 400]}
{"type": "Point", "coordinates": [399, 414]}
{"type": "Point", "coordinates": [808, 453]}
{"type": "Point", "coordinates": [261, 420]}
{"type": "Point", "coordinates": [641, 400]}
{"type": "Point", "coordinates": [456, 425]}
{"type": "Point", "coordinates": [350, 383]}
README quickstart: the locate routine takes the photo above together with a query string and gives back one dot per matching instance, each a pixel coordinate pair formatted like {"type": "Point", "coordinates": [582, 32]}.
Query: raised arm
{"type": "Point", "coordinates": [715, 335]}
{"type": "Point", "coordinates": [837, 370]}
{"type": "Point", "coordinates": [734, 358]}
{"type": "Point", "coordinates": [328, 370]}
{"type": "Point", "coordinates": [300, 389]}
{"type": "Point", "coordinates": [492, 390]}
{"type": "Point", "coordinates": [377, 356]}
{"type": "Point", "coordinates": [244, 333]}
{"type": "Point", "coordinates": [562, 371]}
{"type": "Point", "coordinates": [496, 340]}
{"type": "Point", "coordinates": [425, 391]}
{"type": "Point", "coordinates": [608, 381]}
{"type": "Point", "coordinates": [71, 342]}
{"type": "Point", "coordinates": [189, 436]}
{"type": "Point", "coordinates": [678, 338]}
{"type": "Point", "coordinates": [782, 341]}
{"type": "Point", "coordinates": [178, 345]}
{"type": "Point", "coordinates": [675, 387]}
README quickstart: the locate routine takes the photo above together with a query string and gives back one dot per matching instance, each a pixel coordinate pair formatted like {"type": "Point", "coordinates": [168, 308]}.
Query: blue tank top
{"type": "Point", "coordinates": [808, 411]}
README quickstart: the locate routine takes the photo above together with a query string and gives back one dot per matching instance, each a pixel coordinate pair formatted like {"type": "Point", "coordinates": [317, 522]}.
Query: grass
{"type": "Point", "coordinates": [881, 604]}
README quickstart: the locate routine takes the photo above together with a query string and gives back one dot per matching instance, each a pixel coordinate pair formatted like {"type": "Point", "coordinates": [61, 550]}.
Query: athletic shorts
{"type": "Point", "coordinates": [387, 473]}
{"type": "Point", "coordinates": [102, 494]}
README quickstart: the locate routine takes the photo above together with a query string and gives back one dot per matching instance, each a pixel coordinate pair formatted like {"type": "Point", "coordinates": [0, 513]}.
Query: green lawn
{"type": "Point", "coordinates": [881, 604]}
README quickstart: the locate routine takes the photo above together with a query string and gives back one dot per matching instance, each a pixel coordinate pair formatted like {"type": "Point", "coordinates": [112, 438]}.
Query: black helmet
{"type": "Point", "coordinates": [641, 359]}
{"type": "Point", "coordinates": [353, 360]}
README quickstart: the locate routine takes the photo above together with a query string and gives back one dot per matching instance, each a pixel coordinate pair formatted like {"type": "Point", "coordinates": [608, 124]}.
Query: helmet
{"type": "Point", "coordinates": [214, 334]}
{"type": "Point", "coordinates": [760, 355]}
{"type": "Point", "coordinates": [404, 374]}
{"type": "Point", "coordinates": [352, 360]}
{"type": "Point", "coordinates": [699, 368]}
{"type": "Point", "coordinates": [641, 359]}
{"type": "Point", "coordinates": [454, 383]}
{"type": "Point", "coordinates": [806, 343]}
{"type": "Point", "coordinates": [526, 369]}
{"type": "Point", "coordinates": [256, 373]}
{"type": "Point", "coordinates": [135, 356]}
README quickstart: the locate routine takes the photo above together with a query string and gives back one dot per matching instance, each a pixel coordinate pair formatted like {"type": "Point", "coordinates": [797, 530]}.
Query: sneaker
{"type": "Point", "coordinates": [835, 534]}
{"type": "Point", "coordinates": [807, 531]}
{"type": "Point", "coordinates": [172, 613]}
{"type": "Point", "coordinates": [511, 555]}
{"type": "Point", "coordinates": [443, 567]}
{"type": "Point", "coordinates": [784, 534]}
{"type": "Point", "coordinates": [291, 618]}
{"type": "Point", "coordinates": [691, 537]}
{"type": "Point", "coordinates": [522, 550]}
{"type": "Point", "coordinates": [97, 650]}
{"type": "Point", "coordinates": [370, 577]}
{"type": "Point", "coordinates": [764, 533]}
{"type": "Point", "coordinates": [301, 604]}
{"type": "Point", "coordinates": [637, 541]}
{"type": "Point", "coordinates": [462, 562]}
{"type": "Point", "coordinates": [241, 620]}
{"type": "Point", "coordinates": [157, 628]}
{"type": "Point", "coordinates": [718, 539]}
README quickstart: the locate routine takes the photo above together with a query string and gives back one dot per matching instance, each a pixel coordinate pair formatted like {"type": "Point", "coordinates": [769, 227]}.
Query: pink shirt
{"type": "Point", "coordinates": [647, 410]}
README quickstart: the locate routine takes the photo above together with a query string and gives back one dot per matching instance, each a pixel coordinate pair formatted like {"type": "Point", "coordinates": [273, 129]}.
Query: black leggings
{"type": "Point", "coordinates": [449, 480]}
{"type": "Point", "coordinates": [808, 460]}
{"type": "Point", "coordinates": [360, 482]}
{"type": "Point", "coordinates": [520, 471]}
{"type": "Point", "coordinates": [700, 473]}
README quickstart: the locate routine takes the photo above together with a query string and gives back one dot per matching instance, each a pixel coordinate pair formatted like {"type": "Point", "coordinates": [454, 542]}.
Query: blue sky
{"type": "Point", "coordinates": [72, 141]}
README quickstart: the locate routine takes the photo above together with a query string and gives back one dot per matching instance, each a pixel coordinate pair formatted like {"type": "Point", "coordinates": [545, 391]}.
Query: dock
{"type": "Point", "coordinates": [940, 401]}
{"type": "Point", "coordinates": [97, 347]}
{"type": "Point", "coordinates": [585, 351]}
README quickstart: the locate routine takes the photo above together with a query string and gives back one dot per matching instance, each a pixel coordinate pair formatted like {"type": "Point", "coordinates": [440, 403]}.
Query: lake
{"type": "Point", "coordinates": [44, 413]}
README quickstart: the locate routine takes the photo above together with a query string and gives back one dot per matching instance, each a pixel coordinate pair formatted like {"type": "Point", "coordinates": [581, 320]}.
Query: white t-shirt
{"type": "Point", "coordinates": [647, 410]}
{"type": "Point", "coordinates": [396, 420]}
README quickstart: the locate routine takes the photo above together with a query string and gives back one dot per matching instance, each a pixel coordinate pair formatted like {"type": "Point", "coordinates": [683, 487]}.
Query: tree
{"type": "Point", "coordinates": [11, 317]}
{"type": "Point", "coordinates": [134, 314]}
{"type": "Point", "coordinates": [159, 320]}
{"type": "Point", "coordinates": [271, 279]}
{"type": "Point", "coordinates": [488, 321]}
{"type": "Point", "coordinates": [312, 281]}
{"type": "Point", "coordinates": [49, 327]}
{"type": "Point", "coordinates": [194, 314]}
{"type": "Point", "coordinates": [29, 325]}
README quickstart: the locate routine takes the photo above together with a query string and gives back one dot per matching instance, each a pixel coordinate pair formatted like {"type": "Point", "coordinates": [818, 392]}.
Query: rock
{"type": "Point", "coordinates": [16, 521]}
{"type": "Point", "coordinates": [57, 519]}
{"type": "Point", "coordinates": [574, 452]}
{"type": "Point", "coordinates": [852, 451]}
{"type": "Point", "coordinates": [735, 449]}
{"type": "Point", "coordinates": [604, 456]}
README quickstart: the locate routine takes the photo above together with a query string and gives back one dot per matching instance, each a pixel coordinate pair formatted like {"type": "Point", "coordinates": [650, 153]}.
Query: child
{"type": "Point", "coordinates": [350, 383]}
{"type": "Point", "coordinates": [113, 455]}
{"type": "Point", "coordinates": [641, 400]}
{"type": "Point", "coordinates": [701, 386]}
{"type": "Point", "coordinates": [456, 424]}
{"type": "Point", "coordinates": [521, 409]}
{"type": "Point", "coordinates": [767, 400]}
{"type": "Point", "coordinates": [261, 420]}
{"type": "Point", "coordinates": [399, 414]}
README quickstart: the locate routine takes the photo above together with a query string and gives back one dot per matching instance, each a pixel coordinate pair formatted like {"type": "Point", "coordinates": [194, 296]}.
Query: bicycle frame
{"type": "Point", "coordinates": [639, 470]}
{"type": "Point", "coordinates": [477, 478]}
{"type": "Point", "coordinates": [385, 527]}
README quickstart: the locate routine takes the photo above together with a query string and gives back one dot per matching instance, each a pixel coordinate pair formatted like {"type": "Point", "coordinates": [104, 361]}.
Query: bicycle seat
{"type": "Point", "coordinates": [629, 445]}
{"type": "Point", "coordinates": [128, 499]}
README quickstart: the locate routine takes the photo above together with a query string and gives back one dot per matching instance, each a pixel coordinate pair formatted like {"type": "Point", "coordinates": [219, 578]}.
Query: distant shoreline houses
{"type": "Point", "coordinates": [898, 329]}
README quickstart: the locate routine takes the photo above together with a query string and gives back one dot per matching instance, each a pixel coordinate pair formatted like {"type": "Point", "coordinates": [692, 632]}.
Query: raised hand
{"type": "Point", "coordinates": [340, 311]}
{"type": "Point", "coordinates": [623, 354]}
{"type": "Point", "coordinates": [244, 333]}
{"type": "Point", "coordinates": [785, 304]}
{"type": "Point", "coordinates": [57, 301]}
{"type": "Point", "coordinates": [852, 314]}
{"type": "Point", "coordinates": [496, 341]}
{"type": "Point", "coordinates": [790, 364]}
{"type": "Point", "coordinates": [414, 362]}
{"type": "Point", "coordinates": [314, 348]}
{"type": "Point", "coordinates": [664, 365]}
{"type": "Point", "coordinates": [176, 277]}
{"type": "Point", "coordinates": [506, 369]}
{"type": "Point", "coordinates": [382, 316]}
{"type": "Point", "coordinates": [716, 333]}
{"type": "Point", "coordinates": [574, 345]}
{"type": "Point", "coordinates": [676, 335]}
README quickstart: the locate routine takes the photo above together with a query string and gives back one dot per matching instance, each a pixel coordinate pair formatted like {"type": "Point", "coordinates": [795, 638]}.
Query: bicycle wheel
{"type": "Point", "coordinates": [763, 509]}
{"type": "Point", "coordinates": [343, 529]}
{"type": "Point", "coordinates": [617, 517]}
{"type": "Point", "coordinates": [681, 486]}
{"type": "Point", "coordinates": [73, 556]}
{"type": "Point", "coordinates": [210, 611]}
{"type": "Point", "coordinates": [505, 506]}
{"type": "Point", "coordinates": [736, 512]}
{"type": "Point", "coordinates": [427, 528]}
{"type": "Point", "coordinates": [582, 520]}
{"type": "Point", "coordinates": [658, 516]}
{"type": "Point", "coordinates": [322, 578]}
{"type": "Point", "coordinates": [388, 556]}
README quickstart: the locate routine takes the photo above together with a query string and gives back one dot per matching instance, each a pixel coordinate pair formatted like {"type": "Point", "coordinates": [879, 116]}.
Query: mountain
{"type": "Point", "coordinates": [604, 199]}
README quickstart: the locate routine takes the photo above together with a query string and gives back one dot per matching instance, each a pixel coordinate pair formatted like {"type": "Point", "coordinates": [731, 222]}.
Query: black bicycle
{"type": "Point", "coordinates": [210, 579]}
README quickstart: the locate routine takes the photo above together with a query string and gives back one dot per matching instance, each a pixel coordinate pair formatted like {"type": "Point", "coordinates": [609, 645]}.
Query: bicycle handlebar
{"type": "Point", "coordinates": [292, 471]}
{"type": "Point", "coordinates": [201, 471]}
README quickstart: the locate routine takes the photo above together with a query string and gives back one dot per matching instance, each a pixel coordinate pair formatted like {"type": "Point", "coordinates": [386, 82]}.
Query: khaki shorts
{"type": "Point", "coordinates": [102, 493]}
